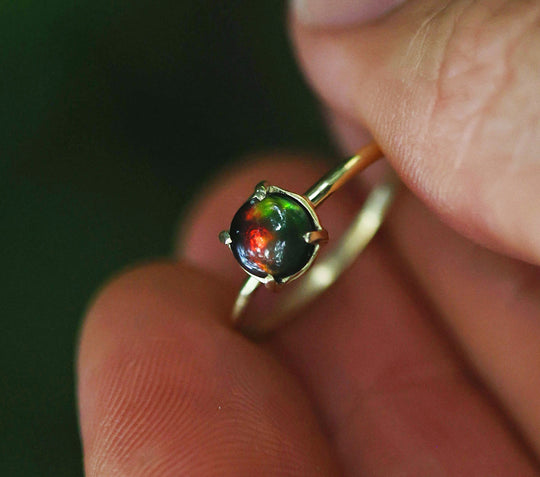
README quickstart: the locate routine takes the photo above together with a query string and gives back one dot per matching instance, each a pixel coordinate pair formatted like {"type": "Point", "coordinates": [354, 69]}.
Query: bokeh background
{"type": "Point", "coordinates": [113, 114]}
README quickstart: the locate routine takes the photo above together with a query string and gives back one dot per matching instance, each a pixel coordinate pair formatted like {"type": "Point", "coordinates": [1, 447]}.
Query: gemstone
{"type": "Point", "coordinates": [267, 236]}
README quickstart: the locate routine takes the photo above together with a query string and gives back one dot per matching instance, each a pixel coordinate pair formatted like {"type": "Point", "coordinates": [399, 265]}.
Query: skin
{"type": "Point", "coordinates": [425, 358]}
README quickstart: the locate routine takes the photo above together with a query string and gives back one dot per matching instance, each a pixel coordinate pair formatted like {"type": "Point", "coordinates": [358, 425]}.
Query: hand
{"type": "Point", "coordinates": [424, 359]}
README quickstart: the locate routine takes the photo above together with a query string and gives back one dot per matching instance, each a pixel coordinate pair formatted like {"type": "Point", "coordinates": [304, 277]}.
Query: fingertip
{"type": "Point", "coordinates": [340, 12]}
{"type": "Point", "coordinates": [161, 286]}
{"type": "Point", "coordinates": [137, 334]}
{"type": "Point", "coordinates": [165, 388]}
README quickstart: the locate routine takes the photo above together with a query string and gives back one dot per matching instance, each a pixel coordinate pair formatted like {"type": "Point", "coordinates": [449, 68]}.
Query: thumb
{"type": "Point", "coordinates": [450, 91]}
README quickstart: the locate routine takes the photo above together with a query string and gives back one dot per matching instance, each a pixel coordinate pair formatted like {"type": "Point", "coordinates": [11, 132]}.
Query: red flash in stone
{"type": "Point", "coordinates": [258, 239]}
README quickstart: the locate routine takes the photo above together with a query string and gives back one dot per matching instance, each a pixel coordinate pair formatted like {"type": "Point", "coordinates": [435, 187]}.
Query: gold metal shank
{"type": "Point", "coordinates": [338, 176]}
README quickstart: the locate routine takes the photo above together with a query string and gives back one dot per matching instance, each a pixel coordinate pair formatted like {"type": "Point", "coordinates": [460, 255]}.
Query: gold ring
{"type": "Point", "coordinates": [276, 235]}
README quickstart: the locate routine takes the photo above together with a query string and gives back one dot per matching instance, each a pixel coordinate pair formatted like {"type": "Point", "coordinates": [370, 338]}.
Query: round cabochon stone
{"type": "Point", "coordinates": [267, 236]}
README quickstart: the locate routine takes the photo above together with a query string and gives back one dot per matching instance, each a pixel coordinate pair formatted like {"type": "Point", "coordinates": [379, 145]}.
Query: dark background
{"type": "Point", "coordinates": [113, 113]}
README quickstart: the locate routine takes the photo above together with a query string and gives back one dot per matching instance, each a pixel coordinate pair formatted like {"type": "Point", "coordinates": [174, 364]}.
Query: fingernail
{"type": "Point", "coordinates": [340, 12]}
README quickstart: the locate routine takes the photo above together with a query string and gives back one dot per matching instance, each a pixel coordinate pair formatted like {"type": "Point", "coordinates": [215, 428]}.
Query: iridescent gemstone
{"type": "Point", "coordinates": [267, 236]}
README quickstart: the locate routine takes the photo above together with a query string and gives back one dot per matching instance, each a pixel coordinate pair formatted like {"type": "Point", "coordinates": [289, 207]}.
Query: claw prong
{"type": "Point", "coordinates": [260, 190]}
{"type": "Point", "coordinates": [316, 236]}
{"type": "Point", "coordinates": [225, 237]}
{"type": "Point", "coordinates": [270, 283]}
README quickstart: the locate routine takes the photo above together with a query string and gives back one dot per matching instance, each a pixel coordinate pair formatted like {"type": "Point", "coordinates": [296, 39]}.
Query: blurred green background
{"type": "Point", "coordinates": [113, 113]}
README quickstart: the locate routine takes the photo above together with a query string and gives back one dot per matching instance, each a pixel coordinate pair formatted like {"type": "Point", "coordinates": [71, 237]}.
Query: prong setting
{"type": "Point", "coordinates": [316, 236]}
{"type": "Point", "coordinates": [260, 190]}
{"type": "Point", "coordinates": [225, 237]}
{"type": "Point", "coordinates": [270, 283]}
{"type": "Point", "coordinates": [252, 236]}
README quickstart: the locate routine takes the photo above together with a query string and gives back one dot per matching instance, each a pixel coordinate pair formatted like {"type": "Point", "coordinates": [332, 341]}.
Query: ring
{"type": "Point", "coordinates": [276, 236]}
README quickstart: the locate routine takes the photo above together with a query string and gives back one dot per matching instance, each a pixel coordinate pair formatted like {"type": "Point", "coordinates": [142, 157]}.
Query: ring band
{"type": "Point", "coordinates": [275, 236]}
